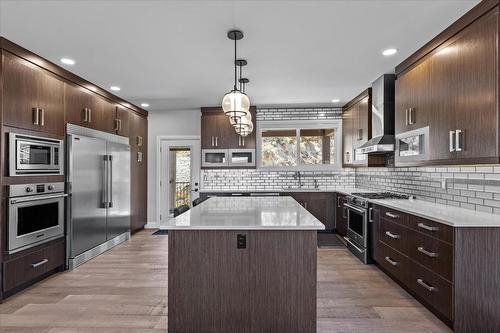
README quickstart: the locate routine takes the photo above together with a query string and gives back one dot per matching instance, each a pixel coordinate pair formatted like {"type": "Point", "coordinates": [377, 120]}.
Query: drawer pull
{"type": "Point", "coordinates": [40, 263]}
{"type": "Point", "coordinates": [426, 286]}
{"type": "Point", "coordinates": [427, 227]}
{"type": "Point", "coordinates": [427, 253]}
{"type": "Point", "coordinates": [392, 262]}
{"type": "Point", "coordinates": [390, 234]}
{"type": "Point", "coordinates": [394, 216]}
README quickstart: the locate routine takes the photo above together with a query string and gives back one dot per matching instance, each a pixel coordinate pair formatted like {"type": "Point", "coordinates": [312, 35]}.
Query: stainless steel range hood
{"type": "Point", "coordinates": [382, 117]}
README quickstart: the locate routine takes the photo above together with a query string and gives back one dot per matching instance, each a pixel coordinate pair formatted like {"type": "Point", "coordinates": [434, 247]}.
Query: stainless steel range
{"type": "Point", "coordinates": [358, 212]}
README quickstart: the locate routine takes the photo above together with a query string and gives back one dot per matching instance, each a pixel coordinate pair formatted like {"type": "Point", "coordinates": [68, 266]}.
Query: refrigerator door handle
{"type": "Point", "coordinates": [105, 194]}
{"type": "Point", "coordinates": [110, 181]}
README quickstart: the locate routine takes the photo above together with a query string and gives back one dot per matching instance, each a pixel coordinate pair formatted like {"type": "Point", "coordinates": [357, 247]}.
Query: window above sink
{"type": "Point", "coordinates": [299, 145]}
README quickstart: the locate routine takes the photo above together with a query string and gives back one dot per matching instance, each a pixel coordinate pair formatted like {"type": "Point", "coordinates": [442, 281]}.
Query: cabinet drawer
{"type": "Point", "coordinates": [394, 235]}
{"type": "Point", "coordinates": [432, 253]}
{"type": "Point", "coordinates": [397, 264]}
{"type": "Point", "coordinates": [393, 215]}
{"type": "Point", "coordinates": [433, 289]}
{"type": "Point", "coordinates": [25, 268]}
{"type": "Point", "coordinates": [435, 229]}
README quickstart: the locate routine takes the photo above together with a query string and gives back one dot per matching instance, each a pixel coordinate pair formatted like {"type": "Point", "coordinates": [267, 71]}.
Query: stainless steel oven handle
{"type": "Point", "coordinates": [356, 209]}
{"type": "Point", "coordinates": [352, 244]}
{"type": "Point", "coordinates": [38, 198]}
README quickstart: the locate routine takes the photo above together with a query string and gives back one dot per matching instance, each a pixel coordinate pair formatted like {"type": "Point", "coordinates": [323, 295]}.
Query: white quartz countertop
{"type": "Point", "coordinates": [246, 213]}
{"type": "Point", "coordinates": [450, 215]}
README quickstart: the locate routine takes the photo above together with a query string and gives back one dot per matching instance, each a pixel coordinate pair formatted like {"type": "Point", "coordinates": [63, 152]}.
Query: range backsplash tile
{"type": "Point", "coordinates": [471, 187]}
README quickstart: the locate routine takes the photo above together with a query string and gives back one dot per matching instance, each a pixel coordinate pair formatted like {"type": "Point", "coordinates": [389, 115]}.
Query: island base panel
{"type": "Point", "coordinates": [215, 285]}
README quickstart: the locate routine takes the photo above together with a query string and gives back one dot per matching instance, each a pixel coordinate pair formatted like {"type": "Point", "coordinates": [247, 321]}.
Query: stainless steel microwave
{"type": "Point", "coordinates": [33, 155]}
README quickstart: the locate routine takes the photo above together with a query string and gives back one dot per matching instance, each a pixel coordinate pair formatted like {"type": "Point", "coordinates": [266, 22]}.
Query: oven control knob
{"type": "Point", "coordinates": [29, 189]}
{"type": "Point", "coordinates": [50, 187]}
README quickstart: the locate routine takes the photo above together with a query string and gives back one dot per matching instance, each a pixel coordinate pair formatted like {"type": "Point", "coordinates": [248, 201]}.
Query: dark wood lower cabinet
{"type": "Point", "coordinates": [453, 271]}
{"type": "Point", "coordinates": [269, 286]}
{"type": "Point", "coordinates": [320, 204]}
{"type": "Point", "coordinates": [340, 217]}
{"type": "Point", "coordinates": [29, 265]}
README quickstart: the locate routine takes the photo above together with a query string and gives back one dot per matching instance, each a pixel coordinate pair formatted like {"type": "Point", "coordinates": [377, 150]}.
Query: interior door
{"type": "Point", "coordinates": [118, 218]}
{"type": "Point", "coordinates": [177, 183]}
{"type": "Point", "coordinates": [87, 222]}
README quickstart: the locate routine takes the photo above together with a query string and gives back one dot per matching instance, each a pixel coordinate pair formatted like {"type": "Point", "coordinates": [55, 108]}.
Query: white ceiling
{"type": "Point", "coordinates": [175, 54]}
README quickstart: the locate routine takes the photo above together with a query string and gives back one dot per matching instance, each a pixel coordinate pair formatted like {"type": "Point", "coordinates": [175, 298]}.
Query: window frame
{"type": "Point", "coordinates": [297, 125]}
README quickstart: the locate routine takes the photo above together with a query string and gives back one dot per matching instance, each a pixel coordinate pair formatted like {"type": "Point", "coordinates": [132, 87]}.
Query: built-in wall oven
{"type": "Point", "coordinates": [33, 155]}
{"type": "Point", "coordinates": [358, 216]}
{"type": "Point", "coordinates": [35, 214]}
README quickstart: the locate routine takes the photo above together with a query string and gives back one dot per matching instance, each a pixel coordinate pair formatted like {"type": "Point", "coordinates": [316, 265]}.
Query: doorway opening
{"type": "Point", "coordinates": [179, 175]}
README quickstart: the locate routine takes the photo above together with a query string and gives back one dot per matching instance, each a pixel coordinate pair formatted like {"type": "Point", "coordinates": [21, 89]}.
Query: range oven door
{"type": "Point", "coordinates": [357, 224]}
{"type": "Point", "coordinates": [34, 220]}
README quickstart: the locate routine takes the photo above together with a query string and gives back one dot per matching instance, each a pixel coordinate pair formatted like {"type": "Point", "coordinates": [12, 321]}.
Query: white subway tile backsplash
{"type": "Point", "coordinates": [472, 187]}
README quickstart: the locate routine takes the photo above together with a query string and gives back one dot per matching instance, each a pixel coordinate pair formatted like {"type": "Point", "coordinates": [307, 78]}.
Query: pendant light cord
{"type": "Point", "coordinates": [234, 60]}
{"type": "Point", "coordinates": [240, 76]}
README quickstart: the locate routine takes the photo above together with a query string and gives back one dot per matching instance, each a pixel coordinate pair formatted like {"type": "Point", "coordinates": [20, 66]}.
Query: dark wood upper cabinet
{"type": "Point", "coordinates": [356, 130]}
{"type": "Point", "coordinates": [453, 89]}
{"type": "Point", "coordinates": [107, 117]}
{"type": "Point", "coordinates": [33, 99]}
{"type": "Point", "coordinates": [122, 121]}
{"type": "Point", "coordinates": [218, 133]}
{"type": "Point", "coordinates": [78, 102]}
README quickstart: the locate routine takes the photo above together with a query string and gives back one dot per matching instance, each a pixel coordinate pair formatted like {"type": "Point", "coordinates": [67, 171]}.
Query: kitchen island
{"type": "Point", "coordinates": [243, 264]}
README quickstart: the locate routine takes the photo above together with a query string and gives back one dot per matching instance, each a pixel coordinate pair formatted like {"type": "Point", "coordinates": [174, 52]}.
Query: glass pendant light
{"type": "Point", "coordinates": [235, 103]}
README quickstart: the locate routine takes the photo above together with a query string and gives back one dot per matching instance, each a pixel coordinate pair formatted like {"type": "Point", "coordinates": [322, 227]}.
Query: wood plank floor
{"type": "Point", "coordinates": [125, 290]}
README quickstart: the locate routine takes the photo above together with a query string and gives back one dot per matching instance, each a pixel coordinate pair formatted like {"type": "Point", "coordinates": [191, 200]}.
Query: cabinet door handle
{"type": "Point", "coordinates": [390, 261]}
{"type": "Point", "coordinates": [90, 115]}
{"type": "Point", "coordinates": [392, 235]}
{"type": "Point", "coordinates": [411, 116]}
{"type": "Point", "coordinates": [370, 214]}
{"type": "Point", "coordinates": [40, 263]}
{"type": "Point", "coordinates": [426, 286]}
{"type": "Point", "coordinates": [120, 125]}
{"type": "Point", "coordinates": [394, 216]}
{"type": "Point", "coordinates": [427, 253]}
{"type": "Point", "coordinates": [36, 119]}
{"type": "Point", "coordinates": [212, 142]}
{"type": "Point", "coordinates": [42, 117]}
{"type": "Point", "coordinates": [216, 141]}
{"type": "Point", "coordinates": [406, 113]}
{"type": "Point", "coordinates": [139, 156]}
{"type": "Point", "coordinates": [457, 140]}
{"type": "Point", "coordinates": [452, 141]}
{"type": "Point", "coordinates": [84, 115]}
{"type": "Point", "coordinates": [116, 125]}
{"type": "Point", "coordinates": [427, 227]}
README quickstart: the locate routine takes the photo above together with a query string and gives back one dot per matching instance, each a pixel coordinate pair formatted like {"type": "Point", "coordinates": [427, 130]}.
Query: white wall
{"type": "Point", "coordinates": [182, 122]}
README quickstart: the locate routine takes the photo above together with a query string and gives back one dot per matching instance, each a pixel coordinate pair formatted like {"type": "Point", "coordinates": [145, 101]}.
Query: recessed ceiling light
{"type": "Point", "coordinates": [115, 88]}
{"type": "Point", "coordinates": [335, 100]}
{"type": "Point", "coordinates": [67, 61]}
{"type": "Point", "coordinates": [144, 105]}
{"type": "Point", "coordinates": [390, 52]}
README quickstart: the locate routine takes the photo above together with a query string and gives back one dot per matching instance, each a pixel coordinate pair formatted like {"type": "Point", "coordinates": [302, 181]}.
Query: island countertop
{"type": "Point", "coordinates": [246, 213]}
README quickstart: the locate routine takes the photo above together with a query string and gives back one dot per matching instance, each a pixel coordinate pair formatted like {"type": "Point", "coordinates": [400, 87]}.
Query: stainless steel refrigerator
{"type": "Point", "coordinates": [98, 186]}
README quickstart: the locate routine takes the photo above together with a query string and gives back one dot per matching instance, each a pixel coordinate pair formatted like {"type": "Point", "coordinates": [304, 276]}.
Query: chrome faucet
{"type": "Point", "coordinates": [298, 176]}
